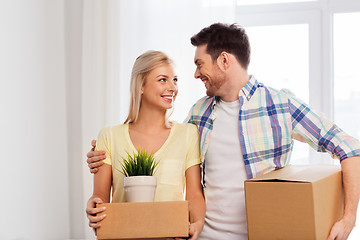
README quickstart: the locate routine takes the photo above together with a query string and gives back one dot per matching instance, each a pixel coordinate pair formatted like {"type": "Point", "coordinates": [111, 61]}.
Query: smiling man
{"type": "Point", "coordinates": [247, 129]}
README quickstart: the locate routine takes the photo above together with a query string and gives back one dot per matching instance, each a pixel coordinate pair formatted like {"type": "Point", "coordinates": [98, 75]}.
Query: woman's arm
{"type": "Point", "coordinates": [102, 183]}
{"type": "Point", "coordinates": [101, 194]}
{"type": "Point", "coordinates": [194, 194]}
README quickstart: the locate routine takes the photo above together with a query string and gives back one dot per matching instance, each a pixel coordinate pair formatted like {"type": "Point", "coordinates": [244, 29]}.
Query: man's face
{"type": "Point", "coordinates": [208, 72]}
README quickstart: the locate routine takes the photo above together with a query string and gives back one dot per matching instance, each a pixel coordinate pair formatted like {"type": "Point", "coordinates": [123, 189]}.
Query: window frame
{"type": "Point", "coordinates": [318, 16]}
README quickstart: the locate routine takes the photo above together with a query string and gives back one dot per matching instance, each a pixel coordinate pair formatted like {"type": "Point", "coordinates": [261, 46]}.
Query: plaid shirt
{"type": "Point", "coordinates": [269, 120]}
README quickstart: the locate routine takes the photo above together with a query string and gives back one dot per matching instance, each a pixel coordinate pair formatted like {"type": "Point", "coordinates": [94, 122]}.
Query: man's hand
{"type": "Point", "coordinates": [350, 168]}
{"type": "Point", "coordinates": [341, 230]}
{"type": "Point", "coordinates": [94, 158]}
{"type": "Point", "coordinates": [92, 210]}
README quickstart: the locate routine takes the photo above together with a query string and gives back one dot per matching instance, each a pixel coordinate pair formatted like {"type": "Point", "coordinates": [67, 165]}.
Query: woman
{"type": "Point", "coordinates": [175, 146]}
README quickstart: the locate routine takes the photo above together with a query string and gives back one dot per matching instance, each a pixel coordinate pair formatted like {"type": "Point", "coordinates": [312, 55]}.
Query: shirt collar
{"type": "Point", "coordinates": [250, 87]}
{"type": "Point", "coordinates": [248, 90]}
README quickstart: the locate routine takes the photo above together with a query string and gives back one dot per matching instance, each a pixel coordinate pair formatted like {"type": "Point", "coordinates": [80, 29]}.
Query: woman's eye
{"type": "Point", "coordinates": [162, 80]}
{"type": "Point", "coordinates": [175, 79]}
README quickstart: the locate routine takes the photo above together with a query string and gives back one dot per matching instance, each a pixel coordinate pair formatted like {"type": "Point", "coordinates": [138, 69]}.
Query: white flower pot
{"type": "Point", "coordinates": [140, 188]}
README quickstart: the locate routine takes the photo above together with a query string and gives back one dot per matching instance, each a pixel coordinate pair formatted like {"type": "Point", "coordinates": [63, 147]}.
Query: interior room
{"type": "Point", "coordinates": [65, 71]}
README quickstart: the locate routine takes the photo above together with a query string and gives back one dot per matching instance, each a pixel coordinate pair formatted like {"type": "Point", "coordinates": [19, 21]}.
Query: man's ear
{"type": "Point", "coordinates": [223, 61]}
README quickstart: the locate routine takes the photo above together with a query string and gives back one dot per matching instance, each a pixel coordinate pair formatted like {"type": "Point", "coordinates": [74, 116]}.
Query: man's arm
{"type": "Point", "coordinates": [324, 136]}
{"type": "Point", "coordinates": [94, 158]}
{"type": "Point", "coordinates": [351, 182]}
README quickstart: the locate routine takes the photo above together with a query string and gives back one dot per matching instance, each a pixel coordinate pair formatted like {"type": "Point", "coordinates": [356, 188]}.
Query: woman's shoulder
{"type": "Point", "coordinates": [113, 128]}
{"type": "Point", "coordinates": [185, 127]}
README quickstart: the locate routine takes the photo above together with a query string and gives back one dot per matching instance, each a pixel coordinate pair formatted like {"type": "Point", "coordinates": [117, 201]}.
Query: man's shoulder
{"type": "Point", "coordinates": [276, 94]}
{"type": "Point", "coordinates": [204, 99]}
{"type": "Point", "coordinates": [203, 103]}
{"type": "Point", "coordinates": [202, 108]}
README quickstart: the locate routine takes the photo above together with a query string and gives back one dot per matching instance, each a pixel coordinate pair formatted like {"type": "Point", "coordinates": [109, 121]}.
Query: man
{"type": "Point", "coordinates": [247, 129]}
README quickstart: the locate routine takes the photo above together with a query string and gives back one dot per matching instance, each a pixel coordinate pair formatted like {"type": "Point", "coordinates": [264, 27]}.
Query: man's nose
{"type": "Point", "coordinates": [197, 73]}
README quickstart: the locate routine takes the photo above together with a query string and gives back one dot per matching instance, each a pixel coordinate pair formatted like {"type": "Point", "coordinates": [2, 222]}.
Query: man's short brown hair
{"type": "Point", "coordinates": [221, 37]}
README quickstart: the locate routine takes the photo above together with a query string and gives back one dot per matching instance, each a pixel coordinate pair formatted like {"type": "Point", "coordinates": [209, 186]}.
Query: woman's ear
{"type": "Point", "coordinates": [223, 61]}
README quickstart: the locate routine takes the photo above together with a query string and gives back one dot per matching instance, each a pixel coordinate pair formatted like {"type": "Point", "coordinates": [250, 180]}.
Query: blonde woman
{"type": "Point", "coordinates": [153, 91]}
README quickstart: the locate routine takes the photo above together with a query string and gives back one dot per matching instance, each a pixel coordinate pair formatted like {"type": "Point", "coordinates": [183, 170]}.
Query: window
{"type": "Point", "coordinates": [307, 46]}
{"type": "Point", "coordinates": [347, 78]}
{"type": "Point", "coordinates": [256, 2]}
{"type": "Point", "coordinates": [280, 59]}
{"type": "Point", "coordinates": [346, 72]}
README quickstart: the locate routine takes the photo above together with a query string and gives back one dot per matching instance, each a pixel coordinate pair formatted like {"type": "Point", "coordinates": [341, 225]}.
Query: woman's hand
{"type": "Point", "coordinates": [92, 211]}
{"type": "Point", "coordinates": [195, 229]}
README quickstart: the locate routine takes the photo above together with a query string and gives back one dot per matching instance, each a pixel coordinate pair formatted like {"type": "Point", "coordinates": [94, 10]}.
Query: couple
{"type": "Point", "coordinates": [245, 129]}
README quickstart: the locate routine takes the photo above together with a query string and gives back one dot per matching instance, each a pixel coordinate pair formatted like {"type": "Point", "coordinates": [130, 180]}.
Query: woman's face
{"type": "Point", "coordinates": [160, 88]}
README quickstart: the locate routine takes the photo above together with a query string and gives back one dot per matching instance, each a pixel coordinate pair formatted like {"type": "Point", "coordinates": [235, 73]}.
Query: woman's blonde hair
{"type": "Point", "coordinates": [143, 65]}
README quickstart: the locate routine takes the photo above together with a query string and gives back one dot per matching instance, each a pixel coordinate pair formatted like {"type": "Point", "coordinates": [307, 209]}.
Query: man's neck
{"type": "Point", "coordinates": [236, 83]}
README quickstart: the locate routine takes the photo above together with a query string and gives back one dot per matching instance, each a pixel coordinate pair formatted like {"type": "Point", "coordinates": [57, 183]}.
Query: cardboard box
{"type": "Point", "coordinates": [145, 220]}
{"type": "Point", "coordinates": [295, 202]}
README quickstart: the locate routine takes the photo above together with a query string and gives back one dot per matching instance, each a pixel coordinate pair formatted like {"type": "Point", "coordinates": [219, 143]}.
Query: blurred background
{"type": "Point", "coordinates": [65, 70]}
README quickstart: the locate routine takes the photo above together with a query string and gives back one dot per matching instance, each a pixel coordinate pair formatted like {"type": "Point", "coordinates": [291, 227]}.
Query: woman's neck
{"type": "Point", "coordinates": [150, 121]}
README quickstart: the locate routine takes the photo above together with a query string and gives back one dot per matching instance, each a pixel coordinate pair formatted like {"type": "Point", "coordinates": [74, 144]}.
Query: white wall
{"type": "Point", "coordinates": [73, 12]}
{"type": "Point", "coordinates": [34, 167]}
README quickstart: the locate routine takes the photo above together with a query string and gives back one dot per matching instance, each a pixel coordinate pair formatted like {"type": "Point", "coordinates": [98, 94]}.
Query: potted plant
{"type": "Point", "coordinates": [139, 182]}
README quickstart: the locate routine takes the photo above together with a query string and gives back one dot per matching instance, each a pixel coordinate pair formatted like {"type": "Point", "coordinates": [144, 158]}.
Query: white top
{"type": "Point", "coordinates": [224, 178]}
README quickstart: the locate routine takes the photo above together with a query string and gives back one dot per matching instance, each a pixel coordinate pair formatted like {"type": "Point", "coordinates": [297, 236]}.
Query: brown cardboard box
{"type": "Point", "coordinates": [145, 220]}
{"type": "Point", "coordinates": [295, 202]}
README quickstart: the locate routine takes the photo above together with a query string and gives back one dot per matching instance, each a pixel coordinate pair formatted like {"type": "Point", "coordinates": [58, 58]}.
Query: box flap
{"type": "Point", "coordinates": [299, 173]}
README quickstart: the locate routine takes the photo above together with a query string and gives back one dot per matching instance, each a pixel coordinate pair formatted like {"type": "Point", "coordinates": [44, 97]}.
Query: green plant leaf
{"type": "Point", "coordinates": [138, 164]}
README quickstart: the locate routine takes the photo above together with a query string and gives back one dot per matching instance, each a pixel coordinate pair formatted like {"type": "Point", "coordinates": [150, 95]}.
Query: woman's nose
{"type": "Point", "coordinates": [172, 86]}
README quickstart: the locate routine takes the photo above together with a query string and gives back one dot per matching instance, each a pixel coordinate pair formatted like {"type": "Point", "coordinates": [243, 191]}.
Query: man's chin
{"type": "Point", "coordinates": [210, 93]}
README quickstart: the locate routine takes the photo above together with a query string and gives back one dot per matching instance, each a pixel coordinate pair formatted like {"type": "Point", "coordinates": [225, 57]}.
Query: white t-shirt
{"type": "Point", "coordinates": [224, 178]}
